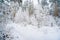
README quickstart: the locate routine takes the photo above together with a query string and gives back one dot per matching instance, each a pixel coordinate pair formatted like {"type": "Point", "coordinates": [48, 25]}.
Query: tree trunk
{"type": "Point", "coordinates": [56, 10]}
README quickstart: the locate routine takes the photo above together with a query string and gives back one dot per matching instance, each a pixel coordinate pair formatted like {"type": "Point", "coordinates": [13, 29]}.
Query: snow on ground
{"type": "Point", "coordinates": [29, 32]}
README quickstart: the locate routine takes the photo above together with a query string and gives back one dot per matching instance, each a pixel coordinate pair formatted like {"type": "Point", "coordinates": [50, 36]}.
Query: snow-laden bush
{"type": "Point", "coordinates": [34, 15]}
{"type": "Point", "coordinates": [25, 11]}
{"type": "Point", "coordinates": [14, 7]}
{"type": "Point", "coordinates": [7, 13]}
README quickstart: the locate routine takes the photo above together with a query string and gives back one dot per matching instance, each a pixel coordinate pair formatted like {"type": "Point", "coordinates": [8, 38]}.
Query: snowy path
{"type": "Point", "coordinates": [29, 32]}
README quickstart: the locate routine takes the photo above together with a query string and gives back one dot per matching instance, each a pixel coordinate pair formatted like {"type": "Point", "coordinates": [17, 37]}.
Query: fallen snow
{"type": "Point", "coordinates": [29, 32]}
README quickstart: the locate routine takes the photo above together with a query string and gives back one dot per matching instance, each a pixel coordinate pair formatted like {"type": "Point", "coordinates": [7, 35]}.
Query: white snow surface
{"type": "Point", "coordinates": [29, 32]}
